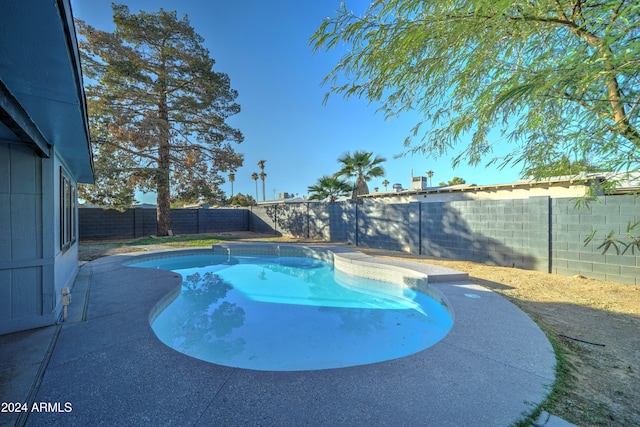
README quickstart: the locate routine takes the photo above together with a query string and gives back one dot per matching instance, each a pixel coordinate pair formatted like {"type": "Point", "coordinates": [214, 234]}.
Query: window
{"type": "Point", "coordinates": [68, 202]}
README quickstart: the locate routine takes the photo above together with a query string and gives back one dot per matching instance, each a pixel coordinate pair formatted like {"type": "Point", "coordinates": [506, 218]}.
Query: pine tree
{"type": "Point", "coordinates": [157, 111]}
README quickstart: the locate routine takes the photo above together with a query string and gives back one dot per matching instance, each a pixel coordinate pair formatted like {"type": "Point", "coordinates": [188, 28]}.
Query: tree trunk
{"type": "Point", "coordinates": [163, 184]}
{"type": "Point", "coordinates": [163, 198]}
{"type": "Point", "coordinates": [361, 187]}
{"type": "Point", "coordinates": [619, 116]}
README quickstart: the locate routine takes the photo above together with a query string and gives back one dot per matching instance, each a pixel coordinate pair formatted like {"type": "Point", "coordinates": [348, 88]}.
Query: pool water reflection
{"type": "Point", "coordinates": [291, 313]}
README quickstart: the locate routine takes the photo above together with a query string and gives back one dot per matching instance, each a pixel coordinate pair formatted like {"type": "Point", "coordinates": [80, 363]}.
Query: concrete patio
{"type": "Point", "coordinates": [104, 365]}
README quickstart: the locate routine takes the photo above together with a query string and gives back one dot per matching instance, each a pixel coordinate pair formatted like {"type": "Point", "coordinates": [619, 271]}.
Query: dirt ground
{"type": "Point", "coordinates": [595, 325]}
{"type": "Point", "coordinates": [602, 385]}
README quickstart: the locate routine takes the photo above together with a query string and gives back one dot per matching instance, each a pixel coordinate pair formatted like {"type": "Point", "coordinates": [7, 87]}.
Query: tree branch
{"type": "Point", "coordinates": [128, 150]}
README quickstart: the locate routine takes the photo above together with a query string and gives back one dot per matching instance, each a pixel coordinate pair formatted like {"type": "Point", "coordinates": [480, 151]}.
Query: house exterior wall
{"type": "Point", "coordinates": [33, 268]}
{"type": "Point", "coordinates": [26, 264]}
{"type": "Point", "coordinates": [66, 259]}
{"type": "Point", "coordinates": [43, 130]}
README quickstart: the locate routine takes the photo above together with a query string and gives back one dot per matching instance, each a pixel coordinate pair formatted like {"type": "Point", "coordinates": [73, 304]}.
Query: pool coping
{"type": "Point", "coordinates": [494, 366]}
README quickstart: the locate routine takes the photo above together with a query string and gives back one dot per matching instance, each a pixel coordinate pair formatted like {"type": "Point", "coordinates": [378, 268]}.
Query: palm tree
{"type": "Point", "coordinates": [386, 184]}
{"type": "Point", "coordinates": [262, 175]}
{"type": "Point", "coordinates": [232, 178]}
{"type": "Point", "coordinates": [363, 168]}
{"type": "Point", "coordinates": [430, 175]}
{"type": "Point", "coordinates": [254, 176]}
{"type": "Point", "coordinates": [329, 187]}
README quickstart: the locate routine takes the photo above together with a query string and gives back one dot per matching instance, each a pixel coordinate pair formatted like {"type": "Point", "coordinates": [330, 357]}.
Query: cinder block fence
{"type": "Point", "coordinates": [539, 233]}
{"type": "Point", "coordinates": [98, 224]}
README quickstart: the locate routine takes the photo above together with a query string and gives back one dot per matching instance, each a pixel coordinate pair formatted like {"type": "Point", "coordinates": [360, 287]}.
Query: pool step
{"type": "Point", "coordinates": [435, 273]}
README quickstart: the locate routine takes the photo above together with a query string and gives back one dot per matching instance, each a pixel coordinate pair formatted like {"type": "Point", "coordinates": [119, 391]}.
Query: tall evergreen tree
{"type": "Point", "coordinates": [157, 111]}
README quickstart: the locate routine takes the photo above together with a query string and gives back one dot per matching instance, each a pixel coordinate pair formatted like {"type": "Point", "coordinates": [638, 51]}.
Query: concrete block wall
{"type": "Point", "coordinates": [334, 222]}
{"type": "Point", "coordinates": [394, 227]}
{"type": "Point", "coordinates": [263, 219]}
{"type": "Point", "coordinates": [184, 221]}
{"type": "Point", "coordinates": [493, 232]}
{"type": "Point", "coordinates": [319, 222]}
{"type": "Point", "coordinates": [221, 220]}
{"type": "Point", "coordinates": [537, 225]}
{"type": "Point", "coordinates": [538, 233]}
{"type": "Point", "coordinates": [343, 222]}
{"type": "Point", "coordinates": [292, 219]}
{"type": "Point", "coordinates": [570, 227]}
{"type": "Point", "coordinates": [96, 224]}
{"type": "Point", "coordinates": [149, 219]}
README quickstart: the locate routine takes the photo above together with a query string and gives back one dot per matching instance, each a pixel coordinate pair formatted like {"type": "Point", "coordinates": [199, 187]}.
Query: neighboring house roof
{"type": "Point", "coordinates": [626, 182]}
{"type": "Point", "coordinates": [42, 101]}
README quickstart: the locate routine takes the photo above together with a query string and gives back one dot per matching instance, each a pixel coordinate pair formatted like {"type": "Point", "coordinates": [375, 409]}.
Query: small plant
{"type": "Point", "coordinates": [630, 240]}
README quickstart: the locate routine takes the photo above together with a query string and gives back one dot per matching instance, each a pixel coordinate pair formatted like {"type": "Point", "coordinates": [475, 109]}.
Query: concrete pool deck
{"type": "Point", "coordinates": [106, 366]}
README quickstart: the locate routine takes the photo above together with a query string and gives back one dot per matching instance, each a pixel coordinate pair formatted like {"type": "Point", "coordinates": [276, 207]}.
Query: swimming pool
{"type": "Point", "coordinates": [286, 309]}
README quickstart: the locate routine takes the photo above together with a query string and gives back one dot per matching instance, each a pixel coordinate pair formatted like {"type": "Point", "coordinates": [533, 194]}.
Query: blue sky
{"type": "Point", "coordinates": [263, 47]}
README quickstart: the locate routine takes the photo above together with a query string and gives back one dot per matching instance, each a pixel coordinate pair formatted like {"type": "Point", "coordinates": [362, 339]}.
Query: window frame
{"type": "Point", "coordinates": [68, 205]}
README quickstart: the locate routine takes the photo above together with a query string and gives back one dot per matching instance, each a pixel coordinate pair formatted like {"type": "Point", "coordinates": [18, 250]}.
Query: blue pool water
{"type": "Point", "coordinates": [291, 313]}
